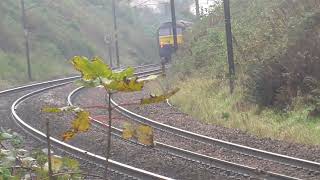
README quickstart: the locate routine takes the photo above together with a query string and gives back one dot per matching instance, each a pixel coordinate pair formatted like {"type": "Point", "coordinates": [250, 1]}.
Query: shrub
{"type": "Point", "coordinates": [278, 81]}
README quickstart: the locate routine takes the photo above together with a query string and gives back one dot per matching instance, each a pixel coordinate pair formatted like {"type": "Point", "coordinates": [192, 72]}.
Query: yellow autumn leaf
{"type": "Point", "coordinates": [82, 122]}
{"type": "Point", "coordinates": [128, 131]}
{"type": "Point", "coordinates": [68, 135]}
{"type": "Point", "coordinates": [56, 163]}
{"type": "Point", "coordinates": [161, 98]}
{"type": "Point", "coordinates": [144, 134]}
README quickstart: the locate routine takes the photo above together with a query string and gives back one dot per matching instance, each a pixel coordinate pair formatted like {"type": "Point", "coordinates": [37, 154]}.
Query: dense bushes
{"type": "Point", "coordinates": [276, 49]}
{"type": "Point", "coordinates": [278, 81]}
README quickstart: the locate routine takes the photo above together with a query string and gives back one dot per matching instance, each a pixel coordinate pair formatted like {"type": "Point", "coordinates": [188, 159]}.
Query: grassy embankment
{"type": "Point", "coordinates": [62, 29]}
{"type": "Point", "coordinates": [276, 58]}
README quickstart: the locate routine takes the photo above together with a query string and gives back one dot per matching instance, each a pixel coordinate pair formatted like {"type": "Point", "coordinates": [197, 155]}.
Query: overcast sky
{"type": "Point", "coordinates": [203, 3]}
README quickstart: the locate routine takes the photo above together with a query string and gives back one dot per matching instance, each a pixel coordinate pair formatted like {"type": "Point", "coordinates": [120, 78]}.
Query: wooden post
{"type": "Point", "coordinates": [115, 26]}
{"type": "Point", "coordinates": [174, 24]}
{"type": "Point", "coordinates": [49, 149]}
{"type": "Point", "coordinates": [109, 134]}
{"type": "Point", "coordinates": [197, 8]}
{"type": "Point", "coordinates": [229, 44]}
{"type": "Point", "coordinates": [26, 37]}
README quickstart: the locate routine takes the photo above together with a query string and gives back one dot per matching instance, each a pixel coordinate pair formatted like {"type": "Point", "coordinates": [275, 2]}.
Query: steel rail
{"type": "Point", "coordinates": [35, 85]}
{"type": "Point", "coordinates": [253, 172]}
{"type": "Point", "coordinates": [123, 168]}
{"type": "Point", "coordinates": [297, 162]}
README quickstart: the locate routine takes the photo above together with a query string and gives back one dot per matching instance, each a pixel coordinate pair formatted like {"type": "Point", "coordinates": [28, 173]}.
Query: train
{"type": "Point", "coordinates": [165, 38]}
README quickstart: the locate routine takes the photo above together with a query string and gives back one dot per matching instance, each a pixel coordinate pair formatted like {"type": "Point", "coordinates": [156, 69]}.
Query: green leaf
{"type": "Point", "coordinates": [41, 173]}
{"type": "Point", "coordinates": [127, 73]}
{"type": "Point", "coordinates": [71, 164]}
{"type": "Point", "coordinates": [16, 141]}
{"type": "Point", "coordinates": [100, 68]}
{"type": "Point", "coordinates": [5, 136]}
{"type": "Point", "coordinates": [51, 110]}
{"type": "Point", "coordinates": [125, 85]}
{"type": "Point", "coordinates": [8, 160]}
{"type": "Point", "coordinates": [28, 161]}
{"type": "Point", "coordinates": [88, 83]}
{"type": "Point", "coordinates": [161, 98]}
{"type": "Point", "coordinates": [62, 109]}
{"type": "Point", "coordinates": [82, 64]}
{"type": "Point", "coordinates": [40, 157]}
{"type": "Point", "coordinates": [91, 70]}
{"type": "Point", "coordinates": [5, 174]}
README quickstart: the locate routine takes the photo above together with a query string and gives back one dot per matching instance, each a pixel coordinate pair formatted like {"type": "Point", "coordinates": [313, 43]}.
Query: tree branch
{"type": "Point", "coordinates": [79, 173]}
{"type": "Point", "coordinates": [106, 107]}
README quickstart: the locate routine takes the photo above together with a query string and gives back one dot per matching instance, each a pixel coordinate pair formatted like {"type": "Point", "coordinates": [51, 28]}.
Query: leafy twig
{"type": "Point", "coordinates": [79, 173]}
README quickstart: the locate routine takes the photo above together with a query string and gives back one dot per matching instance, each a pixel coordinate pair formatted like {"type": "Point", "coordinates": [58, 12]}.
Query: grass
{"type": "Point", "coordinates": [264, 31]}
{"type": "Point", "coordinates": [209, 100]}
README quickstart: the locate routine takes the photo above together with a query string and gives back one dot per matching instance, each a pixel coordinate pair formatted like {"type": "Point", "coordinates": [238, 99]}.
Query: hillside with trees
{"type": "Point", "coordinates": [59, 30]}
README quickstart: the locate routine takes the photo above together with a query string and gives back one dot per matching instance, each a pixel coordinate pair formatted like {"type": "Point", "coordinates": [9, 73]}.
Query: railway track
{"type": "Point", "coordinates": [196, 157]}
{"type": "Point", "coordinates": [292, 161]}
{"type": "Point", "coordinates": [82, 154]}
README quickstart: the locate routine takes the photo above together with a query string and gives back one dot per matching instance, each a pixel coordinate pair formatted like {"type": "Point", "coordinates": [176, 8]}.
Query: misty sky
{"type": "Point", "coordinates": [203, 3]}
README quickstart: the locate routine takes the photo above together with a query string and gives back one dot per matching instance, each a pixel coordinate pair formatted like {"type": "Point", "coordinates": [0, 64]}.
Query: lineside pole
{"type": "Point", "coordinates": [115, 26]}
{"type": "Point", "coordinates": [26, 37]}
{"type": "Point", "coordinates": [197, 8]}
{"type": "Point", "coordinates": [110, 54]}
{"type": "Point", "coordinates": [108, 41]}
{"type": "Point", "coordinates": [174, 25]}
{"type": "Point", "coordinates": [227, 15]}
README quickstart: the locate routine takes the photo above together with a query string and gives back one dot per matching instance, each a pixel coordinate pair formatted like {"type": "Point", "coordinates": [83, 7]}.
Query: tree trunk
{"type": "Point", "coordinates": [49, 150]}
{"type": "Point", "coordinates": [109, 135]}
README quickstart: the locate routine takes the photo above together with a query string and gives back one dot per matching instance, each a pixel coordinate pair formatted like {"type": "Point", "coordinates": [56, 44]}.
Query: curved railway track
{"type": "Point", "coordinates": [179, 152]}
{"type": "Point", "coordinates": [296, 162]}
{"type": "Point", "coordinates": [91, 157]}
{"type": "Point", "coordinates": [196, 157]}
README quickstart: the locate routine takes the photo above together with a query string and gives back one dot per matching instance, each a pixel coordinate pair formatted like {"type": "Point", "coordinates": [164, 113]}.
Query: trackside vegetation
{"type": "Point", "coordinates": [277, 60]}
{"type": "Point", "coordinates": [17, 163]}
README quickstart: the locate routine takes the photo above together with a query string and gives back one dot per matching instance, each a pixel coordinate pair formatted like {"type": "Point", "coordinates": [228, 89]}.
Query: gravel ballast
{"type": "Point", "coordinates": [172, 116]}
{"type": "Point", "coordinates": [95, 141]}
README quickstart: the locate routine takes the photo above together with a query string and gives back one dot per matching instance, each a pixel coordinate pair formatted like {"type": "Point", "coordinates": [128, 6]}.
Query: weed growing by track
{"type": "Point", "coordinates": [18, 163]}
